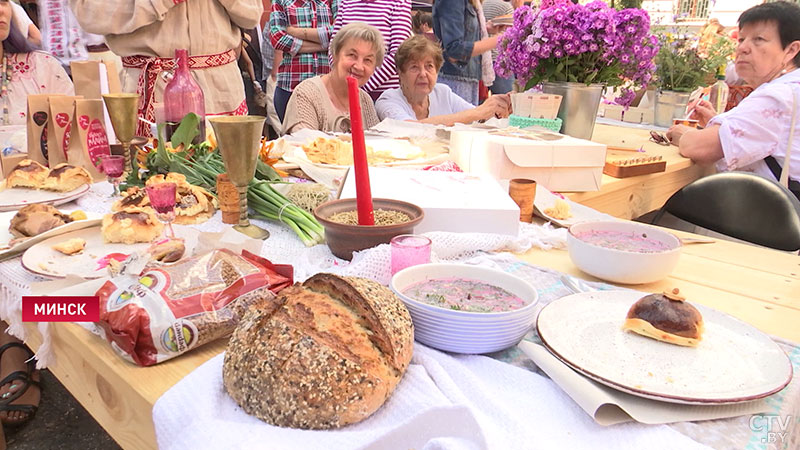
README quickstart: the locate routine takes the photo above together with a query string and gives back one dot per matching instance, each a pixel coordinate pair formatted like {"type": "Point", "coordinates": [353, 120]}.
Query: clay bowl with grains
{"type": "Point", "coordinates": [343, 234]}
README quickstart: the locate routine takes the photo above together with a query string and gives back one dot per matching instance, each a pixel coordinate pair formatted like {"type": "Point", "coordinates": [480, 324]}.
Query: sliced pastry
{"type": "Point", "coordinates": [35, 219]}
{"type": "Point", "coordinates": [193, 205]}
{"type": "Point", "coordinates": [66, 177]}
{"type": "Point", "coordinates": [666, 317]}
{"type": "Point", "coordinates": [28, 173]}
{"type": "Point", "coordinates": [131, 225]}
{"type": "Point", "coordinates": [70, 246]}
{"type": "Point", "coordinates": [133, 197]}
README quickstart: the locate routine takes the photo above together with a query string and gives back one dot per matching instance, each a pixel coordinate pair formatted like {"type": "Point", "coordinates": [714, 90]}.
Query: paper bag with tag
{"type": "Point", "coordinates": [92, 79]}
{"type": "Point", "coordinates": [38, 117]}
{"type": "Point", "coordinates": [58, 128]}
{"type": "Point", "coordinates": [88, 141]}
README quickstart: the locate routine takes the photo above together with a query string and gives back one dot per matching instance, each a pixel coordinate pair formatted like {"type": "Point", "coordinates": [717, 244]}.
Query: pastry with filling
{"type": "Point", "coordinates": [71, 246]}
{"type": "Point", "coordinates": [28, 173]}
{"type": "Point", "coordinates": [133, 197]}
{"type": "Point", "coordinates": [131, 225]}
{"type": "Point", "coordinates": [666, 317]}
{"type": "Point", "coordinates": [193, 203]}
{"type": "Point", "coordinates": [33, 220]}
{"type": "Point", "coordinates": [66, 177]}
{"type": "Point", "coordinates": [168, 251]}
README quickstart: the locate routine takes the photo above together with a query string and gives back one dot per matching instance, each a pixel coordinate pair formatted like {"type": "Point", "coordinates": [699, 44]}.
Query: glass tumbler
{"type": "Point", "coordinates": [409, 250]}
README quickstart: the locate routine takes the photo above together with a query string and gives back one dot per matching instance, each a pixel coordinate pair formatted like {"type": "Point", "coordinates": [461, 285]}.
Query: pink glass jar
{"type": "Point", "coordinates": [409, 250]}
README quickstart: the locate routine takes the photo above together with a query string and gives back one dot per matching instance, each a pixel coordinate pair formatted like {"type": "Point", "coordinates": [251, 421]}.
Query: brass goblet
{"type": "Point", "coordinates": [123, 109]}
{"type": "Point", "coordinates": [238, 138]}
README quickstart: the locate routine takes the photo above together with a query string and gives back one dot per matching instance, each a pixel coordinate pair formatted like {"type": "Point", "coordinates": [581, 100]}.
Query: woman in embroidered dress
{"type": "Point", "coordinates": [756, 134]}
{"type": "Point", "coordinates": [146, 33]}
{"type": "Point", "coordinates": [28, 72]}
{"type": "Point", "coordinates": [321, 103]}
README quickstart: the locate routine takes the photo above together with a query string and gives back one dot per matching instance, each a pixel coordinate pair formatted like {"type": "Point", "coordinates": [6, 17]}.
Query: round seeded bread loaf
{"type": "Point", "coordinates": [328, 354]}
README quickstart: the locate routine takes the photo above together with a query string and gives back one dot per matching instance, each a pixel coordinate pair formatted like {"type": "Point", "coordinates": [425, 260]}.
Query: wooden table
{"type": "Point", "coordinates": [757, 285]}
{"type": "Point", "coordinates": [628, 198]}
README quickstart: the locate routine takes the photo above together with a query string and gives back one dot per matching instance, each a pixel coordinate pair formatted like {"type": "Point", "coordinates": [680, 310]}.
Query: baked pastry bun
{"type": "Point", "coordinates": [28, 173]}
{"type": "Point", "coordinates": [666, 317]}
{"type": "Point", "coordinates": [66, 177]}
{"type": "Point", "coordinates": [322, 355]}
{"type": "Point", "coordinates": [133, 197]}
{"type": "Point", "coordinates": [193, 204]}
{"type": "Point", "coordinates": [35, 219]}
{"type": "Point", "coordinates": [131, 225]}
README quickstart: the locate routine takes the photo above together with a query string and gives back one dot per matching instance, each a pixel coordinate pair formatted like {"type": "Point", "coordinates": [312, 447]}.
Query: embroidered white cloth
{"type": "Point", "coordinates": [444, 402]}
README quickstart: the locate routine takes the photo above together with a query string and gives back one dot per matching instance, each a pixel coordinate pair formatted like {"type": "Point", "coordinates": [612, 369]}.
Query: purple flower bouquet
{"type": "Point", "coordinates": [592, 43]}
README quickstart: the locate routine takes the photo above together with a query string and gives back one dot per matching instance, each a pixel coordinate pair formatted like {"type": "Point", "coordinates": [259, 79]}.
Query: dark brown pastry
{"type": "Point", "coordinates": [666, 317]}
{"type": "Point", "coordinates": [35, 219]}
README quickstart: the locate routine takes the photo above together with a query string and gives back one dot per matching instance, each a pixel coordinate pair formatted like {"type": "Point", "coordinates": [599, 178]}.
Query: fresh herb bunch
{"type": "Point", "coordinates": [592, 43]}
{"type": "Point", "coordinates": [680, 67]}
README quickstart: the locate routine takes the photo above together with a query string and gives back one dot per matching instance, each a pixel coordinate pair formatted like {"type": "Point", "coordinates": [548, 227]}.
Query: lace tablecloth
{"type": "Point", "coordinates": [756, 432]}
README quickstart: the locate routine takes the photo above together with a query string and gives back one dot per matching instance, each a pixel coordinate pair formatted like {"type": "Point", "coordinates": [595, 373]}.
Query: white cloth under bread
{"type": "Point", "coordinates": [444, 401]}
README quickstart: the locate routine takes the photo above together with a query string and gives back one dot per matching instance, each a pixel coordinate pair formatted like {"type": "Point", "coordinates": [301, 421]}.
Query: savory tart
{"type": "Point", "coordinates": [66, 177]}
{"type": "Point", "coordinates": [28, 173]}
{"type": "Point", "coordinates": [35, 219]}
{"type": "Point", "coordinates": [666, 317]}
{"type": "Point", "coordinates": [131, 225]}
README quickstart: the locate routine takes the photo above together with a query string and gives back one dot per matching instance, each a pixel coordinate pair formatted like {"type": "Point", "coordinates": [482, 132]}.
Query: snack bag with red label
{"type": "Point", "coordinates": [39, 140]}
{"type": "Point", "coordinates": [59, 126]}
{"type": "Point", "coordinates": [168, 310]}
{"type": "Point", "coordinates": [88, 139]}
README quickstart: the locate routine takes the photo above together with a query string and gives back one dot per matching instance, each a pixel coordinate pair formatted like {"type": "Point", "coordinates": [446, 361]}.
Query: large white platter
{"type": "Point", "coordinates": [42, 260]}
{"type": "Point", "coordinates": [12, 199]}
{"type": "Point", "coordinates": [733, 363]}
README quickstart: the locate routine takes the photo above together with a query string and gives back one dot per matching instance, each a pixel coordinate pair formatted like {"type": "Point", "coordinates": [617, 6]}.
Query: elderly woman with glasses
{"type": "Point", "coordinates": [420, 98]}
{"type": "Point", "coordinates": [758, 133]}
{"type": "Point", "coordinates": [321, 103]}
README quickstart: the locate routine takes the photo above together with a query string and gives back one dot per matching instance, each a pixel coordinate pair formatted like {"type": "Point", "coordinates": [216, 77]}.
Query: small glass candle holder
{"type": "Point", "coordinates": [409, 250]}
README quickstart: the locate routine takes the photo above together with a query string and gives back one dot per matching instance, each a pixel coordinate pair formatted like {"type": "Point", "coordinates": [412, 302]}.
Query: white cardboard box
{"type": "Point", "coordinates": [452, 201]}
{"type": "Point", "coordinates": [564, 165]}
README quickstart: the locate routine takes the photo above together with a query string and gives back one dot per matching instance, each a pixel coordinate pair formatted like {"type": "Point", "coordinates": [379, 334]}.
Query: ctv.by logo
{"type": "Point", "coordinates": [775, 427]}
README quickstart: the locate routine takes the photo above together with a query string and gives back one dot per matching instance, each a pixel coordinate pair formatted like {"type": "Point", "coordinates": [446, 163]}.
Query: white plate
{"type": "Point", "coordinates": [93, 219]}
{"type": "Point", "coordinates": [545, 199]}
{"type": "Point", "coordinates": [12, 199]}
{"type": "Point", "coordinates": [42, 260]}
{"type": "Point", "coordinates": [733, 363]}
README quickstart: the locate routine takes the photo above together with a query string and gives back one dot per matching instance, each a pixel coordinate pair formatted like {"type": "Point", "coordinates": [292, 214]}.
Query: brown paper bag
{"type": "Point", "coordinates": [58, 129]}
{"type": "Point", "coordinates": [88, 141]}
{"type": "Point", "coordinates": [86, 78]}
{"type": "Point", "coordinates": [38, 118]}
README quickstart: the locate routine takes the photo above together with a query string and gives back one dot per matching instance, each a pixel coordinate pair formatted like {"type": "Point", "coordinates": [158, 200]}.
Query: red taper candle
{"type": "Point", "coordinates": [363, 193]}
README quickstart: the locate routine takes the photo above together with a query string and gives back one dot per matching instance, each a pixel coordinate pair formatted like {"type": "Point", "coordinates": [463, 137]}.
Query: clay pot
{"type": "Point", "coordinates": [343, 239]}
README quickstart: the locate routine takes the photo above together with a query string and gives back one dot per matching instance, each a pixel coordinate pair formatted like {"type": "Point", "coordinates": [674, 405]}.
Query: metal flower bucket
{"type": "Point", "coordinates": [670, 105]}
{"type": "Point", "coordinates": [579, 106]}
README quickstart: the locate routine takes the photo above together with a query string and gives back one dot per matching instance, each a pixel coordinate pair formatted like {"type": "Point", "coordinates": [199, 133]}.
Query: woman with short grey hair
{"type": "Point", "coordinates": [321, 103]}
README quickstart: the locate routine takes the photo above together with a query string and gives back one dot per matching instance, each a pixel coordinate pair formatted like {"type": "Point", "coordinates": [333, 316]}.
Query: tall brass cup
{"type": "Point", "coordinates": [239, 138]}
{"type": "Point", "coordinates": [123, 109]}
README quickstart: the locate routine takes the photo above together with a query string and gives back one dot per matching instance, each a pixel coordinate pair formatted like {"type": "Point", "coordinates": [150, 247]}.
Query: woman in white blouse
{"type": "Point", "coordinates": [756, 135]}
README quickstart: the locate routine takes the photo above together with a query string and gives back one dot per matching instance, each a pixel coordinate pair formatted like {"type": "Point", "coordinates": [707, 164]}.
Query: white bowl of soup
{"type": "Point", "coordinates": [623, 252]}
{"type": "Point", "coordinates": [466, 309]}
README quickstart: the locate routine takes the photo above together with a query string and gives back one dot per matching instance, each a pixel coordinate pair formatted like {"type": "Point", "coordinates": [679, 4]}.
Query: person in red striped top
{"type": "Point", "coordinates": [393, 19]}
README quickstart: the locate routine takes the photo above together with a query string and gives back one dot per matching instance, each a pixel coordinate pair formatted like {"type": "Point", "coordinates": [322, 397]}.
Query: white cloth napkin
{"type": "Point", "coordinates": [443, 402]}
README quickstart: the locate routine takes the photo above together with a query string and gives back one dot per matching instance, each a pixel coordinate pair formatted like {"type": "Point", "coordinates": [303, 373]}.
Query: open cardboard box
{"type": "Point", "coordinates": [560, 163]}
{"type": "Point", "coordinates": [453, 201]}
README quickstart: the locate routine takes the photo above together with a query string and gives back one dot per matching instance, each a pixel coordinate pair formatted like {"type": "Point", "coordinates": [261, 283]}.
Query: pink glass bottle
{"type": "Point", "coordinates": [183, 95]}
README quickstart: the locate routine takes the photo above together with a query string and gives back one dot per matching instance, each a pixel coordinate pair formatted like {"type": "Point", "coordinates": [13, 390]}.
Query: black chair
{"type": "Point", "coordinates": [741, 205]}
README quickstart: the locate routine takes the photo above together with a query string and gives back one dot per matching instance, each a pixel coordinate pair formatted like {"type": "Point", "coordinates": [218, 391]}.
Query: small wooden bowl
{"type": "Point", "coordinates": [344, 239]}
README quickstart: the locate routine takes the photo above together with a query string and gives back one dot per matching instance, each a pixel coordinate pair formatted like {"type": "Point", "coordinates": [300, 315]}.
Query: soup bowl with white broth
{"type": "Point", "coordinates": [466, 309]}
{"type": "Point", "coordinates": [623, 252]}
